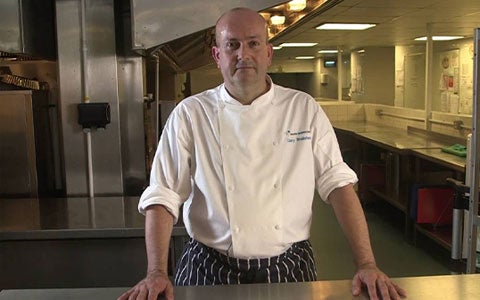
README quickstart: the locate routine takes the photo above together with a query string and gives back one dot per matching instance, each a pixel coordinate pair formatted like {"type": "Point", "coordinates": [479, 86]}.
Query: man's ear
{"type": "Point", "coordinates": [270, 53]}
{"type": "Point", "coordinates": [216, 54]}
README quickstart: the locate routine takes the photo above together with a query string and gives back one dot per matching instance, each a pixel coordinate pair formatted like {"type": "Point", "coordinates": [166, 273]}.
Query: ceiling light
{"type": "Point", "coordinates": [328, 51]}
{"type": "Point", "coordinates": [361, 51]}
{"type": "Point", "coordinates": [344, 26]}
{"type": "Point", "coordinates": [298, 44]}
{"type": "Point", "coordinates": [277, 47]}
{"type": "Point", "coordinates": [297, 5]}
{"type": "Point", "coordinates": [440, 38]}
{"type": "Point", "coordinates": [277, 20]}
{"type": "Point", "coordinates": [305, 57]}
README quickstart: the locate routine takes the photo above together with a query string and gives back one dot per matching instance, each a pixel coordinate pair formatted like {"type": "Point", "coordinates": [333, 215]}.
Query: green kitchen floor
{"type": "Point", "coordinates": [394, 255]}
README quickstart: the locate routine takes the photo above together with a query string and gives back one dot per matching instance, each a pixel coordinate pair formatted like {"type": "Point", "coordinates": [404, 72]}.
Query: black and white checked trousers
{"type": "Point", "coordinates": [202, 265]}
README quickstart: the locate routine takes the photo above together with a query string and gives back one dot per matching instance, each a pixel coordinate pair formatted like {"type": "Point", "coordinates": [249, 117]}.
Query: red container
{"type": "Point", "coordinates": [435, 205]}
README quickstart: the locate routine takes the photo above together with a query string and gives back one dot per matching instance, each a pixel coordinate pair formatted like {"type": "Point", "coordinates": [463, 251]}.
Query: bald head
{"type": "Point", "coordinates": [237, 17]}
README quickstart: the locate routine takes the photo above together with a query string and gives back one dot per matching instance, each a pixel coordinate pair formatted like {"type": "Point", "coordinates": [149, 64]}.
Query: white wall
{"type": "Point", "coordinates": [460, 55]}
{"type": "Point", "coordinates": [373, 77]}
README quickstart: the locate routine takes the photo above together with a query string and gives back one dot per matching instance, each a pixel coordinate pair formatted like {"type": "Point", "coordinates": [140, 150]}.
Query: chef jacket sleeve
{"type": "Point", "coordinates": [170, 178]}
{"type": "Point", "coordinates": [331, 171]}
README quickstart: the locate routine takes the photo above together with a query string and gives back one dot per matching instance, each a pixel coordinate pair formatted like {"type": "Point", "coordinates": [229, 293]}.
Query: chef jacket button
{"type": "Point", "coordinates": [237, 229]}
{"type": "Point", "coordinates": [275, 186]}
{"type": "Point", "coordinates": [275, 143]}
{"type": "Point", "coordinates": [226, 147]}
{"type": "Point", "coordinates": [277, 227]}
{"type": "Point", "coordinates": [231, 188]}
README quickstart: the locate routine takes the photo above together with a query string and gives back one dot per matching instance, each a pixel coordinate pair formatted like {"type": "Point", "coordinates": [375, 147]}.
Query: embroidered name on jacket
{"type": "Point", "coordinates": [298, 136]}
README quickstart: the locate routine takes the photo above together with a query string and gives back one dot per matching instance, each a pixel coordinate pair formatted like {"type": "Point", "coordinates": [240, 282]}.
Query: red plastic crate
{"type": "Point", "coordinates": [435, 205]}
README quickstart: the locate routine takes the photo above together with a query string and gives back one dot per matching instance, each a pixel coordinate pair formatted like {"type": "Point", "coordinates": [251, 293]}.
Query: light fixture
{"type": "Point", "coordinates": [361, 51]}
{"type": "Point", "coordinates": [265, 15]}
{"type": "Point", "coordinates": [326, 51]}
{"type": "Point", "coordinates": [297, 5]}
{"type": "Point", "coordinates": [277, 20]}
{"type": "Point", "coordinates": [440, 38]}
{"type": "Point", "coordinates": [345, 26]}
{"type": "Point", "coordinates": [298, 44]}
{"type": "Point", "coordinates": [277, 47]}
{"type": "Point", "coordinates": [305, 57]}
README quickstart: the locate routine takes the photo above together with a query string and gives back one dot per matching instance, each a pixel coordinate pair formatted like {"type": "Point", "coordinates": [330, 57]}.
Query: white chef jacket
{"type": "Point", "coordinates": [246, 174]}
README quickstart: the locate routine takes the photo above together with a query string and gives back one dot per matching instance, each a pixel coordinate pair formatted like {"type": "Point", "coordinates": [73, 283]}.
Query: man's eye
{"type": "Point", "coordinates": [254, 43]}
{"type": "Point", "coordinates": [232, 45]}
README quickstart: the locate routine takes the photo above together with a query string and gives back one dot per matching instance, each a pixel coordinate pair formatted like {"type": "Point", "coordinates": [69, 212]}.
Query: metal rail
{"type": "Point", "coordinates": [380, 112]}
{"type": "Point", "coordinates": [457, 124]}
{"type": "Point", "coordinates": [474, 161]}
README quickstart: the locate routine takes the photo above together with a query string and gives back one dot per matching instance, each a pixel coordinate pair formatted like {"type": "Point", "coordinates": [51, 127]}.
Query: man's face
{"type": "Point", "coordinates": [242, 52]}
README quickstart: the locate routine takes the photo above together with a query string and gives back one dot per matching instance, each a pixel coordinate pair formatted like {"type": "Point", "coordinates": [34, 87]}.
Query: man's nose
{"type": "Point", "coordinates": [243, 51]}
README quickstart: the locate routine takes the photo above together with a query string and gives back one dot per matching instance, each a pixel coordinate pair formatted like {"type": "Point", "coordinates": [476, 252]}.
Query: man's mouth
{"type": "Point", "coordinates": [243, 66]}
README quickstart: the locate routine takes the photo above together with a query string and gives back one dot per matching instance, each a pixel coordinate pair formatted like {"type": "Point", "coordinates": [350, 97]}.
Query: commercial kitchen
{"type": "Point", "coordinates": [87, 85]}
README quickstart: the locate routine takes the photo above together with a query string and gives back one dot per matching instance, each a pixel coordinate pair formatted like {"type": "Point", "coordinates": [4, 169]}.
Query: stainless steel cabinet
{"type": "Point", "coordinates": [25, 144]}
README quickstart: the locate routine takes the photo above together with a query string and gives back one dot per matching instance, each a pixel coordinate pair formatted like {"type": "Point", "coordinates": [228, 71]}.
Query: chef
{"type": "Point", "coordinates": [244, 159]}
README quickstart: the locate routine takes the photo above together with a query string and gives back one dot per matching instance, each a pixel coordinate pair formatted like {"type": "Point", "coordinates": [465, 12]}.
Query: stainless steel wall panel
{"type": "Point", "coordinates": [130, 92]}
{"type": "Point", "coordinates": [10, 37]}
{"type": "Point", "coordinates": [27, 26]}
{"type": "Point", "coordinates": [156, 22]}
{"type": "Point", "coordinates": [102, 69]}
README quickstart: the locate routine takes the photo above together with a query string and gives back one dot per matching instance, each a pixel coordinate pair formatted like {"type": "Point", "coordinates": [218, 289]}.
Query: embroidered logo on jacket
{"type": "Point", "coordinates": [298, 136]}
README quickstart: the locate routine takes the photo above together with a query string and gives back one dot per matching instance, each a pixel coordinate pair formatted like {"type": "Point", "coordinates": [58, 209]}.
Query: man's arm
{"type": "Point", "coordinates": [351, 218]}
{"type": "Point", "coordinates": [158, 230]}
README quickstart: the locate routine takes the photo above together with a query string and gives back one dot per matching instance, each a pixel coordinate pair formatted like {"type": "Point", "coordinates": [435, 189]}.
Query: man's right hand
{"type": "Point", "coordinates": [156, 283]}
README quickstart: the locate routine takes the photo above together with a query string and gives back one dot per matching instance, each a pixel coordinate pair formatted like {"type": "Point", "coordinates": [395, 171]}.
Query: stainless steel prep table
{"type": "Point", "coordinates": [463, 287]}
{"type": "Point", "coordinates": [437, 156]}
{"type": "Point", "coordinates": [101, 242]}
{"type": "Point", "coordinates": [408, 151]}
{"type": "Point", "coordinates": [358, 126]}
{"type": "Point", "coordinates": [400, 140]}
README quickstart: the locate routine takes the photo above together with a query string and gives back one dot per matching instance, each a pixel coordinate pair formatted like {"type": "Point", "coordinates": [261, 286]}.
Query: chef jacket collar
{"type": "Point", "coordinates": [267, 98]}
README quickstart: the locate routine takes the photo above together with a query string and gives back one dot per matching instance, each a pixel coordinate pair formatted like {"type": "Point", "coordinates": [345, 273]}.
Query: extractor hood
{"type": "Point", "coordinates": [181, 32]}
{"type": "Point", "coordinates": [27, 28]}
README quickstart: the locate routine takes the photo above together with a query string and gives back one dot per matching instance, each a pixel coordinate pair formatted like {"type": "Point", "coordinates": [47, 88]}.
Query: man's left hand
{"type": "Point", "coordinates": [378, 284]}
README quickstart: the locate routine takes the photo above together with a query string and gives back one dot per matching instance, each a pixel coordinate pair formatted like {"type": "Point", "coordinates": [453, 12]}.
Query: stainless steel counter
{"type": "Point", "coordinates": [359, 126]}
{"type": "Point", "coordinates": [64, 218]}
{"type": "Point", "coordinates": [400, 139]}
{"type": "Point", "coordinates": [464, 287]}
{"type": "Point", "coordinates": [421, 145]}
{"type": "Point", "coordinates": [437, 156]}
{"type": "Point", "coordinates": [101, 240]}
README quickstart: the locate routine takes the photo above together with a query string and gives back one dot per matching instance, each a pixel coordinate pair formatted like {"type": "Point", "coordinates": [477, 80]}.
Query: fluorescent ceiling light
{"type": "Point", "coordinates": [305, 57]}
{"type": "Point", "coordinates": [277, 47]}
{"type": "Point", "coordinates": [298, 44]}
{"type": "Point", "coordinates": [344, 26]}
{"type": "Point", "coordinates": [361, 51]}
{"type": "Point", "coordinates": [277, 20]}
{"type": "Point", "coordinates": [328, 51]}
{"type": "Point", "coordinates": [440, 38]}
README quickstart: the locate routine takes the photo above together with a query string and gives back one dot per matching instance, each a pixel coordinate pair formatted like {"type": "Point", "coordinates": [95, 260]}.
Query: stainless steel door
{"type": "Point", "coordinates": [18, 175]}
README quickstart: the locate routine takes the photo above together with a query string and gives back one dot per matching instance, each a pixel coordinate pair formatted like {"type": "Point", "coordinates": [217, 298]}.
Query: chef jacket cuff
{"type": "Point", "coordinates": [155, 195]}
{"type": "Point", "coordinates": [337, 176]}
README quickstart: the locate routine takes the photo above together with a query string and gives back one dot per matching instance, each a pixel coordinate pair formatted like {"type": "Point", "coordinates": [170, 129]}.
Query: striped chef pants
{"type": "Point", "coordinates": [202, 265]}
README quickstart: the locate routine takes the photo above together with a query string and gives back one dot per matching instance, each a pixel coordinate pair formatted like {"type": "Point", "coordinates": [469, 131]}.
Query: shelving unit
{"type": "Point", "coordinates": [390, 199]}
{"type": "Point", "coordinates": [441, 235]}
{"type": "Point", "coordinates": [405, 160]}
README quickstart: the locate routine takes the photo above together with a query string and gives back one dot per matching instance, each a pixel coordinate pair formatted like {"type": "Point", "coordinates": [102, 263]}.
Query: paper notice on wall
{"type": "Point", "coordinates": [400, 78]}
{"type": "Point", "coordinates": [353, 88]}
{"type": "Point", "coordinates": [444, 105]}
{"type": "Point", "coordinates": [453, 100]}
{"type": "Point", "coordinates": [456, 72]}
